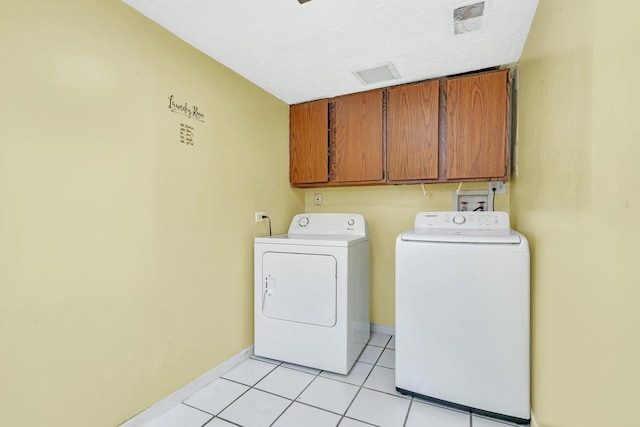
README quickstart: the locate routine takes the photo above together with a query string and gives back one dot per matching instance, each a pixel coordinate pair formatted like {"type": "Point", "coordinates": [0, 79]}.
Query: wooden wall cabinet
{"type": "Point", "coordinates": [412, 132]}
{"type": "Point", "coordinates": [445, 130]}
{"type": "Point", "coordinates": [308, 132]}
{"type": "Point", "coordinates": [476, 112]}
{"type": "Point", "coordinates": [357, 138]}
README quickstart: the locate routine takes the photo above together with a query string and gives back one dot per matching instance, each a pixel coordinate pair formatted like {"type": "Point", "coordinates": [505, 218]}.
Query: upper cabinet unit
{"type": "Point", "coordinates": [477, 110]}
{"type": "Point", "coordinates": [412, 132]}
{"type": "Point", "coordinates": [357, 142]}
{"type": "Point", "coordinates": [446, 130]}
{"type": "Point", "coordinates": [308, 130]}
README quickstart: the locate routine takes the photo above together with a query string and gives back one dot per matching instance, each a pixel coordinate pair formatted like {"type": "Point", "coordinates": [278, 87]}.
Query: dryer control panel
{"type": "Point", "coordinates": [463, 220]}
{"type": "Point", "coordinates": [329, 224]}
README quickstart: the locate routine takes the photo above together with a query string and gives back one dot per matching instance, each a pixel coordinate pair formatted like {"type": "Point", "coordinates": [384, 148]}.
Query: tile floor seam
{"type": "Point", "coordinates": [295, 399]}
{"type": "Point", "coordinates": [302, 370]}
{"type": "Point", "coordinates": [223, 409]}
{"type": "Point", "coordinates": [266, 360]}
{"type": "Point", "coordinates": [261, 378]}
{"type": "Point", "coordinates": [271, 393]}
{"type": "Point", "coordinates": [198, 409]}
{"type": "Point", "coordinates": [282, 413]}
{"type": "Point", "coordinates": [406, 417]}
{"type": "Point", "coordinates": [383, 346]}
{"type": "Point", "coordinates": [374, 363]}
{"type": "Point", "coordinates": [225, 420]}
{"type": "Point", "coordinates": [387, 393]}
{"type": "Point", "coordinates": [306, 387]}
{"type": "Point", "coordinates": [292, 401]}
{"type": "Point", "coordinates": [356, 395]}
{"type": "Point", "coordinates": [318, 407]}
{"type": "Point", "coordinates": [360, 421]}
{"type": "Point", "coordinates": [379, 346]}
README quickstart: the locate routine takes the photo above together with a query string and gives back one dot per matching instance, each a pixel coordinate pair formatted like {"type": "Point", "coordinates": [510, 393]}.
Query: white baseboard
{"type": "Point", "coordinates": [177, 397]}
{"type": "Point", "coordinates": [389, 330]}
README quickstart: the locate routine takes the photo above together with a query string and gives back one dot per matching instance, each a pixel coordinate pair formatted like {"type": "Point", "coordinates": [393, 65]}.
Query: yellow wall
{"type": "Point", "coordinates": [575, 198]}
{"type": "Point", "coordinates": [126, 257]}
{"type": "Point", "coordinates": [389, 210]}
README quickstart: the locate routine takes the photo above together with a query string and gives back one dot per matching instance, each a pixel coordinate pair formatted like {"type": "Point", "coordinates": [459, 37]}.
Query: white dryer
{"type": "Point", "coordinates": [462, 313]}
{"type": "Point", "coordinates": [311, 300]}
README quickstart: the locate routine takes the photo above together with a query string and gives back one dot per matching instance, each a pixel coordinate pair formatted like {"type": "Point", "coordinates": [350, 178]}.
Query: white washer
{"type": "Point", "coordinates": [462, 313]}
{"type": "Point", "coordinates": [312, 292]}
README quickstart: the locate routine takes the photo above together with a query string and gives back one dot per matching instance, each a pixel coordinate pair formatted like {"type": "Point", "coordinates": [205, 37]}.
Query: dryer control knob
{"type": "Point", "coordinates": [351, 222]}
{"type": "Point", "coordinates": [459, 219]}
{"type": "Point", "coordinates": [304, 221]}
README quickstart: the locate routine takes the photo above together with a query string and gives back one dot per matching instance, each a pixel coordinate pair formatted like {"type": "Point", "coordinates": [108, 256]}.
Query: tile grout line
{"type": "Point", "coordinates": [223, 419]}
{"type": "Point", "coordinates": [237, 398]}
{"type": "Point", "coordinates": [362, 385]}
{"type": "Point", "coordinates": [198, 409]}
{"type": "Point", "coordinates": [296, 398]}
{"type": "Point", "coordinates": [406, 417]}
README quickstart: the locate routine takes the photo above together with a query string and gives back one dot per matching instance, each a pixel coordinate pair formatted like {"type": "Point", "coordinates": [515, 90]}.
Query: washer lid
{"type": "Point", "coordinates": [461, 236]}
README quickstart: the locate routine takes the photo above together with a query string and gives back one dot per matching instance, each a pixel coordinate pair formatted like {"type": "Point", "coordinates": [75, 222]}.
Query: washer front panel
{"type": "Point", "coordinates": [462, 323]}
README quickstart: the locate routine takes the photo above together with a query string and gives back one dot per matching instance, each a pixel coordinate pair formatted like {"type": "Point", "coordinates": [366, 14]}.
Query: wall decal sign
{"type": "Point", "coordinates": [190, 111]}
{"type": "Point", "coordinates": [186, 134]}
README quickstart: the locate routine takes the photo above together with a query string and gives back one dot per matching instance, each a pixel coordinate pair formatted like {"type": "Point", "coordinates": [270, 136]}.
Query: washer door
{"type": "Point", "coordinates": [299, 287]}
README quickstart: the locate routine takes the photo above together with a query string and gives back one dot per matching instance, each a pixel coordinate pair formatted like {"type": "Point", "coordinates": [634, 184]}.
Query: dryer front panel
{"type": "Point", "coordinates": [299, 287]}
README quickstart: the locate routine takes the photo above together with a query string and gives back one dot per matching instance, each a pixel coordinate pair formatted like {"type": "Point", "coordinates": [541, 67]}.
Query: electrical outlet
{"type": "Point", "coordinates": [317, 199]}
{"type": "Point", "coordinates": [498, 185]}
{"type": "Point", "coordinates": [259, 216]}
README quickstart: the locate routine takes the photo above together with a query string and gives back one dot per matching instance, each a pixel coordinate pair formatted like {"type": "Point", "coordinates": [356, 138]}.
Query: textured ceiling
{"type": "Point", "coordinates": [301, 52]}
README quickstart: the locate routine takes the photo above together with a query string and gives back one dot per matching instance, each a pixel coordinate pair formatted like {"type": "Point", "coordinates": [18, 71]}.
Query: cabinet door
{"type": "Point", "coordinates": [308, 142]}
{"type": "Point", "coordinates": [357, 143]}
{"type": "Point", "coordinates": [476, 137]}
{"type": "Point", "coordinates": [412, 131]}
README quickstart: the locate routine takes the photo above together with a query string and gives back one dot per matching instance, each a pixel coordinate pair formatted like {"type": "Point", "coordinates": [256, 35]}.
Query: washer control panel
{"type": "Point", "coordinates": [329, 224]}
{"type": "Point", "coordinates": [463, 220]}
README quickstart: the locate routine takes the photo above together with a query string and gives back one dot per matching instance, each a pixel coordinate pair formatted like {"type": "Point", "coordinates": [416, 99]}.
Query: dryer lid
{"type": "Point", "coordinates": [311, 240]}
{"type": "Point", "coordinates": [331, 224]}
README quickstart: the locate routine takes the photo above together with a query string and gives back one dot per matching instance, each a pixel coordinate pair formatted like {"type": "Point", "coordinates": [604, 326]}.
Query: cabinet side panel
{"type": "Point", "coordinates": [412, 131]}
{"type": "Point", "coordinates": [308, 140]}
{"type": "Point", "coordinates": [359, 137]}
{"type": "Point", "coordinates": [476, 142]}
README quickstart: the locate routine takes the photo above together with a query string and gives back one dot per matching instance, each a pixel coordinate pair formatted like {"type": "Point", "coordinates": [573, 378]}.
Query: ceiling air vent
{"type": "Point", "coordinates": [468, 18]}
{"type": "Point", "coordinates": [377, 74]}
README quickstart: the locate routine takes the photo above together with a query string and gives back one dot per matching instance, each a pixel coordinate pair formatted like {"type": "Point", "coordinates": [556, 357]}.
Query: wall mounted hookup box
{"type": "Point", "coordinates": [472, 201]}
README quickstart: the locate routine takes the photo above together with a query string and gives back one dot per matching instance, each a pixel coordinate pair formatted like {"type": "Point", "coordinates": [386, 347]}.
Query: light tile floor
{"type": "Point", "coordinates": [263, 393]}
